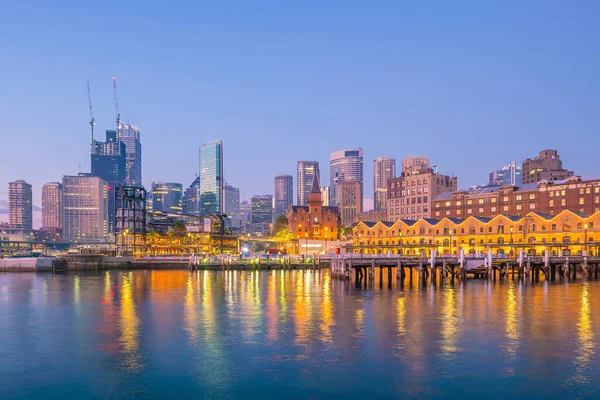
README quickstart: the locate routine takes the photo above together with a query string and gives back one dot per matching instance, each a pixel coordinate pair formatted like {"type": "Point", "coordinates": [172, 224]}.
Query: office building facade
{"type": "Point", "coordinates": [231, 207]}
{"type": "Point", "coordinates": [349, 201]}
{"type": "Point", "coordinates": [52, 207]}
{"type": "Point", "coordinates": [283, 194]}
{"type": "Point", "coordinates": [85, 208]}
{"type": "Point", "coordinates": [412, 165]}
{"type": "Point", "coordinates": [130, 136]}
{"type": "Point", "coordinates": [306, 170]}
{"type": "Point", "coordinates": [20, 207]}
{"type": "Point", "coordinates": [546, 166]}
{"type": "Point", "coordinates": [384, 168]}
{"type": "Point", "coordinates": [167, 197]}
{"type": "Point", "coordinates": [211, 178]}
{"type": "Point", "coordinates": [191, 198]}
{"type": "Point", "coordinates": [507, 175]}
{"type": "Point", "coordinates": [262, 214]}
{"type": "Point", "coordinates": [345, 165]}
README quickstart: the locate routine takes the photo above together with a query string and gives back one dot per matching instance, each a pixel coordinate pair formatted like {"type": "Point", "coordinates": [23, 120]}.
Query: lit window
{"type": "Point", "coordinates": [505, 199]}
{"type": "Point", "coordinates": [581, 200]}
{"type": "Point", "coordinates": [493, 209]}
{"type": "Point", "coordinates": [519, 197]}
{"type": "Point", "coordinates": [505, 208]}
{"type": "Point", "coordinates": [551, 203]}
{"type": "Point", "coordinates": [458, 203]}
{"type": "Point", "coordinates": [563, 202]}
{"type": "Point", "coordinates": [437, 213]}
{"type": "Point", "coordinates": [493, 200]}
{"type": "Point", "coordinates": [551, 193]}
{"type": "Point", "coordinates": [447, 204]}
{"type": "Point", "coordinates": [458, 212]}
{"type": "Point", "coordinates": [562, 192]}
{"type": "Point", "coordinates": [532, 196]}
{"type": "Point", "coordinates": [481, 210]}
{"type": "Point", "coordinates": [588, 190]}
{"type": "Point", "coordinates": [469, 211]}
{"type": "Point", "coordinates": [518, 206]}
{"type": "Point", "coordinates": [532, 206]}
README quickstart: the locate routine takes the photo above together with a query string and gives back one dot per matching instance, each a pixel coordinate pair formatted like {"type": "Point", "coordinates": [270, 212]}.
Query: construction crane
{"type": "Point", "coordinates": [92, 123]}
{"type": "Point", "coordinates": [117, 113]}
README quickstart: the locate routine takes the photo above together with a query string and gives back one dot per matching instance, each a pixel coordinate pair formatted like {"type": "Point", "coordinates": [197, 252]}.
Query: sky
{"type": "Point", "coordinates": [470, 84]}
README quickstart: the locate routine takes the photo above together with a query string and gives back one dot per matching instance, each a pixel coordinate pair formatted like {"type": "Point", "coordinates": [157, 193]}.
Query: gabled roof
{"type": "Point", "coordinates": [482, 219]}
{"type": "Point", "coordinates": [431, 221]}
{"type": "Point", "coordinates": [547, 217]}
{"type": "Point", "coordinates": [457, 221]}
{"type": "Point", "coordinates": [315, 184]}
{"type": "Point", "coordinates": [514, 218]}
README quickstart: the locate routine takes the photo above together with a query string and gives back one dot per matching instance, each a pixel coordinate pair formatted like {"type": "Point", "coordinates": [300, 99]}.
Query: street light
{"type": "Point", "coordinates": [325, 244]}
{"type": "Point", "coordinates": [125, 232]}
{"type": "Point", "coordinates": [511, 240]}
{"type": "Point", "coordinates": [306, 247]}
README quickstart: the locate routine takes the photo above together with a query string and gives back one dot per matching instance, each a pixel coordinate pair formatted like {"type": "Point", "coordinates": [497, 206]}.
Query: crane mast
{"type": "Point", "coordinates": [92, 123]}
{"type": "Point", "coordinates": [117, 113]}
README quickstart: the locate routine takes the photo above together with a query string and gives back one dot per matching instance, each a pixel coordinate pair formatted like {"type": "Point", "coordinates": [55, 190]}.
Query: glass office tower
{"type": "Point", "coordinates": [211, 178]}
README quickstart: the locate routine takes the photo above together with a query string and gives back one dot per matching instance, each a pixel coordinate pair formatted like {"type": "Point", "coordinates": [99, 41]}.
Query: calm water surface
{"type": "Point", "coordinates": [298, 334]}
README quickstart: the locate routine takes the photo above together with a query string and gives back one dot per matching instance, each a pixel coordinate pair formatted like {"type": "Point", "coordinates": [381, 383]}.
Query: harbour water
{"type": "Point", "coordinates": [293, 335]}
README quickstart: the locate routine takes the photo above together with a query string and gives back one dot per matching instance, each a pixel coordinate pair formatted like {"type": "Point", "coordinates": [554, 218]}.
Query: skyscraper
{"type": "Point", "coordinates": [345, 165]}
{"type": "Point", "coordinates": [167, 197]}
{"type": "Point", "coordinates": [231, 206]}
{"type": "Point", "coordinates": [130, 136]}
{"type": "Point", "coordinates": [306, 171]}
{"type": "Point", "coordinates": [349, 201]}
{"type": "Point", "coordinates": [245, 213]}
{"type": "Point", "coordinates": [384, 168]}
{"type": "Point", "coordinates": [284, 193]}
{"type": "Point", "coordinates": [109, 163]}
{"type": "Point", "coordinates": [52, 206]}
{"type": "Point", "coordinates": [262, 214]}
{"type": "Point", "coordinates": [508, 175]}
{"type": "Point", "coordinates": [211, 178]}
{"type": "Point", "coordinates": [20, 205]}
{"type": "Point", "coordinates": [85, 213]}
{"type": "Point", "coordinates": [191, 198]}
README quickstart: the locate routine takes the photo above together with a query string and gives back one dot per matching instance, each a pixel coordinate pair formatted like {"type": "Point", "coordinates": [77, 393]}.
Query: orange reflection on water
{"type": "Point", "coordinates": [585, 338]}
{"type": "Point", "coordinates": [272, 312]}
{"type": "Point", "coordinates": [327, 320]}
{"type": "Point", "coordinates": [450, 327]}
{"type": "Point", "coordinates": [129, 324]}
{"type": "Point", "coordinates": [191, 312]}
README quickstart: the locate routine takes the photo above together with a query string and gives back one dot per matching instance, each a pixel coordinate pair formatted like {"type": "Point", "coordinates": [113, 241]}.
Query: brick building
{"type": "Point", "coordinates": [548, 197]}
{"type": "Point", "coordinates": [314, 221]}
{"type": "Point", "coordinates": [410, 195]}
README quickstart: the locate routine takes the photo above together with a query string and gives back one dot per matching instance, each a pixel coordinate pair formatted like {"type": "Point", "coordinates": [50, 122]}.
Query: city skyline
{"type": "Point", "coordinates": [425, 99]}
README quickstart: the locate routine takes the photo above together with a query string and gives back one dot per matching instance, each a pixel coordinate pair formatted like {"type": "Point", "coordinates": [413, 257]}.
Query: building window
{"type": "Point", "coordinates": [469, 211]}
{"type": "Point", "coordinates": [437, 205]}
{"type": "Point", "coordinates": [481, 210]}
{"type": "Point", "coordinates": [505, 208]}
{"type": "Point", "coordinates": [493, 209]}
{"type": "Point", "coordinates": [518, 206]}
{"type": "Point", "coordinates": [489, 229]}
{"type": "Point", "coordinates": [553, 227]}
{"type": "Point", "coordinates": [581, 200]}
{"type": "Point", "coordinates": [447, 204]}
{"type": "Point", "coordinates": [580, 190]}
{"type": "Point", "coordinates": [563, 202]}
{"type": "Point", "coordinates": [551, 203]}
{"type": "Point", "coordinates": [469, 202]}
{"type": "Point", "coordinates": [519, 197]}
{"type": "Point", "coordinates": [493, 200]}
{"type": "Point", "coordinates": [505, 199]}
{"type": "Point", "coordinates": [458, 203]}
{"type": "Point", "coordinates": [588, 190]}
{"type": "Point", "coordinates": [562, 192]}
{"type": "Point", "coordinates": [597, 189]}
{"type": "Point", "coordinates": [458, 212]}
{"type": "Point", "coordinates": [481, 201]}
{"type": "Point", "coordinates": [448, 212]}
{"type": "Point", "coordinates": [425, 190]}
{"type": "Point", "coordinates": [551, 193]}
{"type": "Point", "coordinates": [532, 206]}
{"type": "Point", "coordinates": [591, 225]}
{"type": "Point", "coordinates": [579, 225]}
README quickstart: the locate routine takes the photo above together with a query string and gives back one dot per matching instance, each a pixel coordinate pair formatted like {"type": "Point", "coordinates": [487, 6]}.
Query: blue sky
{"type": "Point", "coordinates": [470, 84]}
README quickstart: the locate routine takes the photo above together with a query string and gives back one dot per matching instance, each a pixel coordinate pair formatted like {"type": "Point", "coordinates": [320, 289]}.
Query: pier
{"type": "Point", "coordinates": [429, 269]}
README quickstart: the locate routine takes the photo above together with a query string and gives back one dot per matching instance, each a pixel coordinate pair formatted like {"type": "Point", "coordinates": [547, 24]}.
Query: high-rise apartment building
{"type": "Point", "coordinates": [325, 195]}
{"type": "Point", "coordinates": [349, 201]}
{"type": "Point", "coordinates": [345, 165]}
{"type": "Point", "coordinates": [211, 178]}
{"type": "Point", "coordinates": [20, 205]}
{"type": "Point", "coordinates": [384, 168]}
{"type": "Point", "coordinates": [412, 165]}
{"type": "Point", "coordinates": [305, 172]}
{"type": "Point", "coordinates": [546, 166]}
{"type": "Point", "coordinates": [52, 207]}
{"type": "Point", "coordinates": [410, 195]}
{"type": "Point", "coordinates": [284, 194]}
{"type": "Point", "coordinates": [167, 197]}
{"type": "Point", "coordinates": [191, 197]}
{"type": "Point", "coordinates": [245, 214]}
{"type": "Point", "coordinates": [508, 175]}
{"type": "Point", "coordinates": [231, 206]}
{"type": "Point", "coordinates": [130, 136]}
{"type": "Point", "coordinates": [85, 208]}
{"type": "Point", "coordinates": [109, 162]}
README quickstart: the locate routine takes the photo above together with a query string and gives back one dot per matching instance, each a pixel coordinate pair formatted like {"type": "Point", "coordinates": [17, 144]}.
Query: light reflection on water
{"type": "Point", "coordinates": [248, 333]}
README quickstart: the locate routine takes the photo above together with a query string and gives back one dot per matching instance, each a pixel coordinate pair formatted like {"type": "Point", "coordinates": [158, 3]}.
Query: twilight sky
{"type": "Point", "coordinates": [471, 84]}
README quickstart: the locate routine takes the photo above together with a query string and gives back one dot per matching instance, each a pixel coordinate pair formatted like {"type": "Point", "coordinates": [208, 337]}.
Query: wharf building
{"type": "Point", "coordinates": [384, 168]}
{"type": "Point", "coordinates": [548, 197]}
{"type": "Point", "coordinates": [284, 194]}
{"type": "Point", "coordinates": [314, 221]}
{"type": "Point", "coordinates": [52, 208]}
{"type": "Point", "coordinates": [410, 196]}
{"type": "Point", "coordinates": [211, 178]}
{"type": "Point", "coordinates": [167, 197]}
{"type": "Point", "coordinates": [547, 166]}
{"type": "Point", "coordinates": [85, 209]}
{"type": "Point", "coordinates": [306, 170]}
{"type": "Point", "coordinates": [345, 165]}
{"type": "Point", "coordinates": [567, 233]}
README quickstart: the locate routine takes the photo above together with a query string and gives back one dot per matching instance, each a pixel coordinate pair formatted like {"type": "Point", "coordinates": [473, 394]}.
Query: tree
{"type": "Point", "coordinates": [283, 237]}
{"type": "Point", "coordinates": [281, 223]}
{"type": "Point", "coordinates": [179, 228]}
